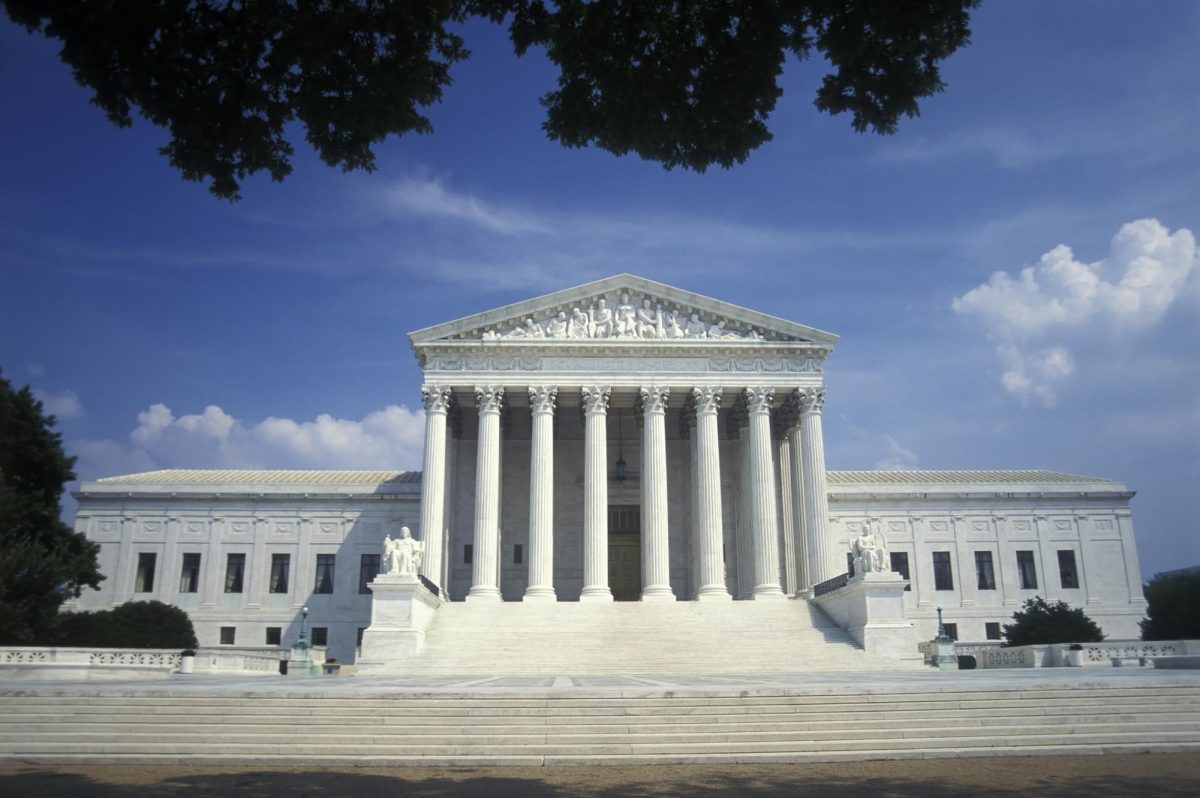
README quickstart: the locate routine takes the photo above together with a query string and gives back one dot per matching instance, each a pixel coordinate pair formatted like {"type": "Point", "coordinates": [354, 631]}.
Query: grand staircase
{"type": "Point", "coordinates": [519, 638]}
{"type": "Point", "coordinates": [335, 722]}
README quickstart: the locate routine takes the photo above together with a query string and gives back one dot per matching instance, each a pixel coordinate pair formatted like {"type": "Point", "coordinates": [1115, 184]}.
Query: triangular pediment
{"type": "Point", "coordinates": [622, 308]}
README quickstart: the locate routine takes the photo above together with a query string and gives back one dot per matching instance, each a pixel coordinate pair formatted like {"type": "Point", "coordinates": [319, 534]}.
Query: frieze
{"type": "Point", "coordinates": [749, 365]}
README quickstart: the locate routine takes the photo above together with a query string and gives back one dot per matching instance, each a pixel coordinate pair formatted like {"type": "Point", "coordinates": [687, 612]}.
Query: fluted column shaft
{"type": "Point", "coordinates": [656, 568]}
{"type": "Point", "coordinates": [787, 513]}
{"type": "Point", "coordinates": [764, 518]}
{"type": "Point", "coordinates": [822, 560]}
{"type": "Point", "coordinates": [595, 495]}
{"type": "Point", "coordinates": [709, 517]}
{"type": "Point", "coordinates": [541, 495]}
{"type": "Point", "coordinates": [803, 579]}
{"type": "Point", "coordinates": [485, 571]}
{"type": "Point", "coordinates": [433, 481]}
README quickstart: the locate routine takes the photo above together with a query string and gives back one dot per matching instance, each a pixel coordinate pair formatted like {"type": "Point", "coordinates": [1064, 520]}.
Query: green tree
{"type": "Point", "coordinates": [1040, 621]}
{"type": "Point", "coordinates": [687, 84]}
{"type": "Point", "coordinates": [1173, 607]}
{"type": "Point", "coordinates": [42, 560]}
{"type": "Point", "coordinates": [134, 624]}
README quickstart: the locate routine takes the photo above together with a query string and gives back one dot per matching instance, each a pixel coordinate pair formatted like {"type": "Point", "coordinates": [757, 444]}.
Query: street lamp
{"type": "Point", "coordinates": [942, 637]}
{"type": "Point", "coordinates": [302, 642]}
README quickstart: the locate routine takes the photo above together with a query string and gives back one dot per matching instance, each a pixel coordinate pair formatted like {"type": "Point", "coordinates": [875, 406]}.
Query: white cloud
{"type": "Point", "coordinates": [899, 458]}
{"type": "Point", "coordinates": [384, 439]}
{"type": "Point", "coordinates": [430, 198]}
{"type": "Point", "coordinates": [1032, 317]}
{"type": "Point", "coordinates": [65, 405]}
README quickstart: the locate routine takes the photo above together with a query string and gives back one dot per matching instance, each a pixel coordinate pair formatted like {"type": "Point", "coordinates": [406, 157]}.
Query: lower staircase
{"type": "Point", "coordinates": [529, 639]}
{"type": "Point", "coordinates": [358, 724]}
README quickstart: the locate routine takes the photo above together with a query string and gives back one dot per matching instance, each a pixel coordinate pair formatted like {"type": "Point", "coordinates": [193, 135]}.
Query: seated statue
{"type": "Point", "coordinates": [870, 551]}
{"type": "Point", "coordinates": [402, 555]}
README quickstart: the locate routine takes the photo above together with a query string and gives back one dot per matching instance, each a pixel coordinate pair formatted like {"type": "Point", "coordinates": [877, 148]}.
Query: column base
{"type": "Point", "coordinates": [596, 594]}
{"type": "Point", "coordinates": [482, 593]}
{"type": "Point", "coordinates": [539, 594]}
{"type": "Point", "coordinates": [713, 594]}
{"type": "Point", "coordinates": [658, 594]}
{"type": "Point", "coordinates": [769, 593]}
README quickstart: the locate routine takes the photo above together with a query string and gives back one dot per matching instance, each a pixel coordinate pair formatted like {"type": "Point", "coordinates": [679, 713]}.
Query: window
{"type": "Point", "coordinates": [850, 563]}
{"type": "Point", "coordinates": [274, 635]}
{"type": "Point", "coordinates": [951, 630]}
{"type": "Point", "coordinates": [1068, 574]}
{"type": "Point", "coordinates": [324, 581]}
{"type": "Point", "coordinates": [468, 554]}
{"type": "Point", "coordinates": [228, 635]}
{"type": "Point", "coordinates": [992, 630]}
{"type": "Point", "coordinates": [235, 572]}
{"type": "Point", "coordinates": [943, 574]}
{"type": "Point", "coordinates": [1027, 570]}
{"type": "Point", "coordinates": [358, 640]}
{"type": "Point", "coordinates": [189, 574]}
{"type": "Point", "coordinates": [518, 554]}
{"type": "Point", "coordinates": [145, 573]}
{"type": "Point", "coordinates": [320, 635]}
{"type": "Point", "coordinates": [984, 572]}
{"type": "Point", "coordinates": [368, 569]}
{"type": "Point", "coordinates": [900, 565]}
{"type": "Point", "coordinates": [281, 565]}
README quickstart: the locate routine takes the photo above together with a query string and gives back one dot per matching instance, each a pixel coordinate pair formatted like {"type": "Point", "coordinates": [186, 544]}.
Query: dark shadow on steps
{"type": "Point", "coordinates": [1167, 775]}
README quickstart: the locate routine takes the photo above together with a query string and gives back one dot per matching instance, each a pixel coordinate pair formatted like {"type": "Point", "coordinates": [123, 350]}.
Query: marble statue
{"type": "Point", "coordinates": [870, 551]}
{"type": "Point", "coordinates": [577, 327]}
{"type": "Point", "coordinates": [626, 324]}
{"type": "Point", "coordinates": [695, 328]}
{"type": "Point", "coordinates": [402, 555]}
{"type": "Point", "coordinates": [558, 326]}
{"type": "Point", "coordinates": [649, 321]}
{"type": "Point", "coordinates": [600, 323]}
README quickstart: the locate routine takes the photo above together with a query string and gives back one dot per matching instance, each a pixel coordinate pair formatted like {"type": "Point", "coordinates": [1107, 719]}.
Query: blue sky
{"type": "Point", "coordinates": [1013, 275]}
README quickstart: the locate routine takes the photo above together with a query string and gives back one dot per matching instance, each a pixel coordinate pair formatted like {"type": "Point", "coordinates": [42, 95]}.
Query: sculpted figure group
{"type": "Point", "coordinates": [870, 551]}
{"type": "Point", "coordinates": [402, 555]}
{"type": "Point", "coordinates": [599, 320]}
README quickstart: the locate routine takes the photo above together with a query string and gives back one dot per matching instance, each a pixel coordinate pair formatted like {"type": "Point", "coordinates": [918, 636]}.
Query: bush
{"type": "Point", "coordinates": [1039, 622]}
{"type": "Point", "coordinates": [135, 624]}
{"type": "Point", "coordinates": [1173, 607]}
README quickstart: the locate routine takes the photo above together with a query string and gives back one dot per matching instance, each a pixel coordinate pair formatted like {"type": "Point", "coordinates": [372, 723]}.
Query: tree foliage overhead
{"type": "Point", "coordinates": [42, 560]}
{"type": "Point", "coordinates": [687, 84]}
{"type": "Point", "coordinates": [1173, 607]}
{"type": "Point", "coordinates": [1040, 622]}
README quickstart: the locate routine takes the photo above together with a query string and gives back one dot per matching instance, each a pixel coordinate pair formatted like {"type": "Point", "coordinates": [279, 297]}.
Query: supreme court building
{"type": "Point", "coordinates": [623, 440]}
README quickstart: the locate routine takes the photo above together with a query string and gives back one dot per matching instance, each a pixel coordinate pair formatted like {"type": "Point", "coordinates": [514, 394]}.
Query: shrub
{"type": "Point", "coordinates": [1173, 607]}
{"type": "Point", "coordinates": [135, 624]}
{"type": "Point", "coordinates": [1039, 621]}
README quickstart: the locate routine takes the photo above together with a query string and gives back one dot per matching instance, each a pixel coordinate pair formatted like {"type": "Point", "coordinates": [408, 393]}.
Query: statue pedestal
{"type": "Point", "coordinates": [401, 610]}
{"type": "Point", "coordinates": [871, 608]}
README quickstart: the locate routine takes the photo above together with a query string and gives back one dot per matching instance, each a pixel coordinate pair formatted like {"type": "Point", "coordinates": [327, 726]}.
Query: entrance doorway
{"type": "Point", "coordinates": [625, 552]}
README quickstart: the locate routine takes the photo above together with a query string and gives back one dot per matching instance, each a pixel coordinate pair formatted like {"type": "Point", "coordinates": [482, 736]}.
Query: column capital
{"type": "Point", "coordinates": [653, 399]}
{"type": "Point", "coordinates": [542, 398]}
{"type": "Point", "coordinates": [595, 399]}
{"type": "Point", "coordinates": [810, 400]}
{"type": "Point", "coordinates": [706, 399]}
{"type": "Point", "coordinates": [436, 398]}
{"type": "Point", "coordinates": [759, 399]}
{"type": "Point", "coordinates": [489, 398]}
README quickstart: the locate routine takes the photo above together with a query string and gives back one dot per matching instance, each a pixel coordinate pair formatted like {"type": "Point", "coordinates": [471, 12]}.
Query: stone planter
{"type": "Point", "coordinates": [186, 664]}
{"type": "Point", "coordinates": [1074, 658]}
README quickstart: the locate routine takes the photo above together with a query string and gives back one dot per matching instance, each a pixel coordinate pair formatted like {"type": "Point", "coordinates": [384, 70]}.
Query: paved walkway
{"type": "Point", "coordinates": [1134, 775]}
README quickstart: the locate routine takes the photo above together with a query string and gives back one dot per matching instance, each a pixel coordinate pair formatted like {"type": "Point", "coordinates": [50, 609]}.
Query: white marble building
{"type": "Point", "coordinates": [622, 440]}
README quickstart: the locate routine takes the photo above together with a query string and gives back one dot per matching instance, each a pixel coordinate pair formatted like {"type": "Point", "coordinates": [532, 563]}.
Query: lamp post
{"type": "Point", "coordinates": [302, 641]}
{"type": "Point", "coordinates": [942, 637]}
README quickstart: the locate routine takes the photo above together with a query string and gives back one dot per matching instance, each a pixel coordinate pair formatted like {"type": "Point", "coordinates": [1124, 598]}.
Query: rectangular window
{"type": "Point", "coordinates": [943, 573]}
{"type": "Point", "coordinates": [368, 569]}
{"type": "Point", "coordinates": [1068, 574]}
{"type": "Point", "coordinates": [850, 563]}
{"type": "Point", "coordinates": [468, 554]}
{"type": "Point", "coordinates": [324, 581]}
{"type": "Point", "coordinates": [900, 566]}
{"type": "Point", "coordinates": [281, 566]}
{"type": "Point", "coordinates": [951, 630]}
{"type": "Point", "coordinates": [992, 630]}
{"type": "Point", "coordinates": [320, 635]}
{"type": "Point", "coordinates": [358, 641]}
{"type": "Point", "coordinates": [274, 635]}
{"type": "Point", "coordinates": [985, 573]}
{"type": "Point", "coordinates": [228, 634]}
{"type": "Point", "coordinates": [189, 574]}
{"type": "Point", "coordinates": [1027, 570]}
{"type": "Point", "coordinates": [518, 554]}
{"type": "Point", "coordinates": [235, 572]}
{"type": "Point", "coordinates": [145, 573]}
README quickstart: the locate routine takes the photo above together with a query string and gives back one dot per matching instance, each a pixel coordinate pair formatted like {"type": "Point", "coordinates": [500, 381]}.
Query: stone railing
{"type": "Point", "coordinates": [1088, 655]}
{"type": "Point", "coordinates": [830, 585]}
{"type": "Point", "coordinates": [71, 662]}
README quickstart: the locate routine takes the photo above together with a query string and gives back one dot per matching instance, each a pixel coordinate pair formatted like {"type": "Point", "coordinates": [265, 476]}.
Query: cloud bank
{"type": "Point", "coordinates": [1037, 317]}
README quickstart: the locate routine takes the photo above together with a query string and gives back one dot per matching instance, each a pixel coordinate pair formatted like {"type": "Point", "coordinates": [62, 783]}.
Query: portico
{"type": "Point", "coordinates": [531, 410]}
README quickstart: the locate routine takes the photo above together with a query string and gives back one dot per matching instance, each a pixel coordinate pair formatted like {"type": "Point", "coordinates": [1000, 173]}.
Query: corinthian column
{"type": "Point", "coordinates": [656, 566]}
{"type": "Point", "coordinates": [822, 561]}
{"type": "Point", "coordinates": [796, 460]}
{"type": "Point", "coordinates": [709, 534]}
{"type": "Point", "coordinates": [764, 519]}
{"type": "Point", "coordinates": [541, 494]}
{"type": "Point", "coordinates": [595, 494]}
{"type": "Point", "coordinates": [433, 481]}
{"type": "Point", "coordinates": [484, 573]}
